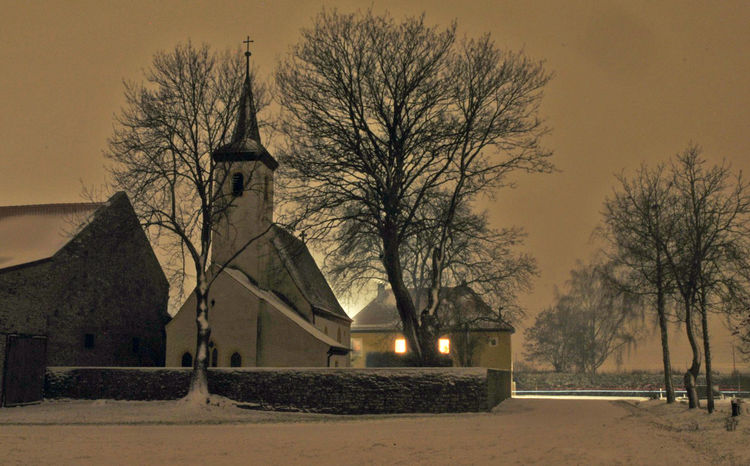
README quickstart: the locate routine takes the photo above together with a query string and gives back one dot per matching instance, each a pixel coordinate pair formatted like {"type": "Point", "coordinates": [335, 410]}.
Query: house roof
{"type": "Point", "coordinates": [305, 272]}
{"type": "Point", "coordinates": [31, 233]}
{"type": "Point", "coordinates": [459, 306]}
{"type": "Point", "coordinates": [271, 298]}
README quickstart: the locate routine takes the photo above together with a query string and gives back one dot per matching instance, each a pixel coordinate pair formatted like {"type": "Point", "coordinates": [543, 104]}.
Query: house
{"type": "Point", "coordinates": [84, 278]}
{"type": "Point", "coordinates": [474, 335]}
{"type": "Point", "coordinates": [270, 305]}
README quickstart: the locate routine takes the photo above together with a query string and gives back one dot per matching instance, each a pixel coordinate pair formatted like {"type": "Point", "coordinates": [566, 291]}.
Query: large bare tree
{"type": "Point", "coordinates": [161, 153]}
{"type": "Point", "coordinates": [708, 252]}
{"type": "Point", "coordinates": [639, 222]}
{"type": "Point", "coordinates": [395, 126]}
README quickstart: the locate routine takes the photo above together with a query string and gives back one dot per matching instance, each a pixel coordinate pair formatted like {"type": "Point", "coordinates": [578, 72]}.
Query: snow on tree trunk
{"type": "Point", "coordinates": [198, 392]}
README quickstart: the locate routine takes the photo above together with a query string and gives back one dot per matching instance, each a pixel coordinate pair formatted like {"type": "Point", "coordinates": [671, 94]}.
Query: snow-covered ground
{"type": "Point", "coordinates": [519, 431]}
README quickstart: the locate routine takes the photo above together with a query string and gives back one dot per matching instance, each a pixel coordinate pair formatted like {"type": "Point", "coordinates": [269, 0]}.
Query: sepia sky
{"type": "Point", "coordinates": [635, 81]}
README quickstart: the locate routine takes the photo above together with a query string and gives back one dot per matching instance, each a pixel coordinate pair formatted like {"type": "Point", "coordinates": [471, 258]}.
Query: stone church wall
{"type": "Point", "coordinates": [336, 391]}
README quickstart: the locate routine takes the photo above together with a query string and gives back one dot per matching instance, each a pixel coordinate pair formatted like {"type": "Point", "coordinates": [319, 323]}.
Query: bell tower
{"type": "Point", "coordinates": [243, 186]}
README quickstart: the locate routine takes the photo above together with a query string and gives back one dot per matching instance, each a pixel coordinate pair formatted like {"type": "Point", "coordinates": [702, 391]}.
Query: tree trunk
{"type": "Point", "coordinates": [692, 373]}
{"type": "Point", "coordinates": [198, 392]}
{"type": "Point", "coordinates": [404, 303]}
{"type": "Point", "coordinates": [707, 356]}
{"type": "Point", "coordinates": [664, 335]}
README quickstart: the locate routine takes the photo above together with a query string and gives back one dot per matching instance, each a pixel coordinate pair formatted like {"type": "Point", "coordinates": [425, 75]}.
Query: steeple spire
{"type": "Point", "coordinates": [245, 144]}
{"type": "Point", "coordinates": [247, 122]}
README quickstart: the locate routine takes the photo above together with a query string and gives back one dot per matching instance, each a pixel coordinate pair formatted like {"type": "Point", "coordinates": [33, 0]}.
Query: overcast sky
{"type": "Point", "coordinates": [634, 82]}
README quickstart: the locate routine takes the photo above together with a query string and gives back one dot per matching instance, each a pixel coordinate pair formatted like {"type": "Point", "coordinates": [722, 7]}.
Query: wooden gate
{"type": "Point", "coordinates": [23, 373]}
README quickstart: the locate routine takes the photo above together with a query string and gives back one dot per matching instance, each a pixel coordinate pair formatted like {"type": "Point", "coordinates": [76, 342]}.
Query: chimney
{"type": "Point", "coordinates": [381, 290]}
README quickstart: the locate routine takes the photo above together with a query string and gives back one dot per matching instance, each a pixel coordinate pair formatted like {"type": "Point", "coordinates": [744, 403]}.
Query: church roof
{"type": "Point", "coordinates": [245, 144]}
{"type": "Point", "coordinates": [305, 272]}
{"type": "Point", "coordinates": [32, 233]}
{"type": "Point", "coordinates": [272, 299]}
{"type": "Point", "coordinates": [459, 305]}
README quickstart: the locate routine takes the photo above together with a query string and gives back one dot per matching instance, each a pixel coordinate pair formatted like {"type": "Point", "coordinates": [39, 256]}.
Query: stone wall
{"type": "Point", "coordinates": [323, 390]}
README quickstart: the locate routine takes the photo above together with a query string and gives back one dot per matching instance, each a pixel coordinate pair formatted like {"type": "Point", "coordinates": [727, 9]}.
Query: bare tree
{"type": "Point", "coordinates": [552, 337]}
{"type": "Point", "coordinates": [638, 225]}
{"type": "Point", "coordinates": [162, 150]}
{"type": "Point", "coordinates": [713, 207]}
{"type": "Point", "coordinates": [476, 255]}
{"type": "Point", "coordinates": [592, 321]}
{"type": "Point", "coordinates": [383, 118]}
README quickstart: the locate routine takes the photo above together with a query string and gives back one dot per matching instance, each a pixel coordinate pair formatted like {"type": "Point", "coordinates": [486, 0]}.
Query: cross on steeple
{"type": "Point", "coordinates": [247, 42]}
{"type": "Point", "coordinates": [303, 235]}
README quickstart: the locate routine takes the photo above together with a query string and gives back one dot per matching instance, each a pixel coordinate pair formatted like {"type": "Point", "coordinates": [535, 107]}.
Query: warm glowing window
{"type": "Point", "coordinates": [444, 345]}
{"type": "Point", "coordinates": [401, 345]}
{"type": "Point", "coordinates": [356, 345]}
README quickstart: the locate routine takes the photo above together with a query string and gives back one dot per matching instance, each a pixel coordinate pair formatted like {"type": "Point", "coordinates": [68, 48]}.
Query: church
{"type": "Point", "coordinates": [270, 306]}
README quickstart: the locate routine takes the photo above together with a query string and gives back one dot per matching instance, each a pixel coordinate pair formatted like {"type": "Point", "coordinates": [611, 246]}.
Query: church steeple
{"type": "Point", "coordinates": [245, 144]}
{"type": "Point", "coordinates": [247, 122]}
{"type": "Point", "coordinates": [244, 180]}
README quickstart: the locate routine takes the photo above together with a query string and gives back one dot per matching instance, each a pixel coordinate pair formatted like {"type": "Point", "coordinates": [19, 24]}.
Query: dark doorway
{"type": "Point", "coordinates": [23, 371]}
{"type": "Point", "coordinates": [187, 360]}
{"type": "Point", "coordinates": [235, 360]}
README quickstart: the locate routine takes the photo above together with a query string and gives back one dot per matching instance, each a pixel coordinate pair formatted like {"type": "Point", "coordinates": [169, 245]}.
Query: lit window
{"type": "Point", "coordinates": [444, 345]}
{"type": "Point", "coordinates": [400, 345]}
{"type": "Point", "coordinates": [356, 345]}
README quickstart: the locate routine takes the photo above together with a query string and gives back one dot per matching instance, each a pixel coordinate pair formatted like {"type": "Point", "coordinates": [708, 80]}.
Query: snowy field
{"type": "Point", "coordinates": [519, 431]}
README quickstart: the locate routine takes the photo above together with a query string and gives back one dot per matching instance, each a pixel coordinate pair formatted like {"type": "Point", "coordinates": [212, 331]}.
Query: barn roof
{"type": "Point", "coordinates": [305, 272]}
{"type": "Point", "coordinates": [31, 233]}
{"type": "Point", "coordinates": [459, 305]}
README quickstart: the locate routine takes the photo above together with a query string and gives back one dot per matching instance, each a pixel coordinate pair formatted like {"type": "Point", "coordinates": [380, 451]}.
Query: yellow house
{"type": "Point", "coordinates": [475, 336]}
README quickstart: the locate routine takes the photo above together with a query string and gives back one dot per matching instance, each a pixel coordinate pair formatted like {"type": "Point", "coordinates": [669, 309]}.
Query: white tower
{"type": "Point", "coordinates": [244, 182]}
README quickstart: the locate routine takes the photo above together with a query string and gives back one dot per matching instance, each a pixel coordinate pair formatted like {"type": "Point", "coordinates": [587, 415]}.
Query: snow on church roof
{"type": "Point", "coordinates": [30, 233]}
{"type": "Point", "coordinates": [305, 272]}
{"type": "Point", "coordinates": [271, 298]}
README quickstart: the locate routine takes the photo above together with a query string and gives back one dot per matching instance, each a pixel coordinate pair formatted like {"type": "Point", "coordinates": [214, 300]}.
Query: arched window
{"type": "Point", "coordinates": [214, 358]}
{"type": "Point", "coordinates": [235, 360]}
{"type": "Point", "coordinates": [238, 184]}
{"type": "Point", "coordinates": [187, 359]}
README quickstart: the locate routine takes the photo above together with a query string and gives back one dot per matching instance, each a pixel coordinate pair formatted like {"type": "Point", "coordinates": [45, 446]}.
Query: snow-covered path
{"type": "Point", "coordinates": [519, 431]}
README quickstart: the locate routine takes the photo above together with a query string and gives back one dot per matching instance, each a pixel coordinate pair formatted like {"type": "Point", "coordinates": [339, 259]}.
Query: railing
{"type": "Point", "coordinates": [656, 394]}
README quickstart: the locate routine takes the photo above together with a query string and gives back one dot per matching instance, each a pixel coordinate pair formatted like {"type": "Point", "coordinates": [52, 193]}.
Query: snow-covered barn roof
{"type": "Point", "coordinates": [31, 233]}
